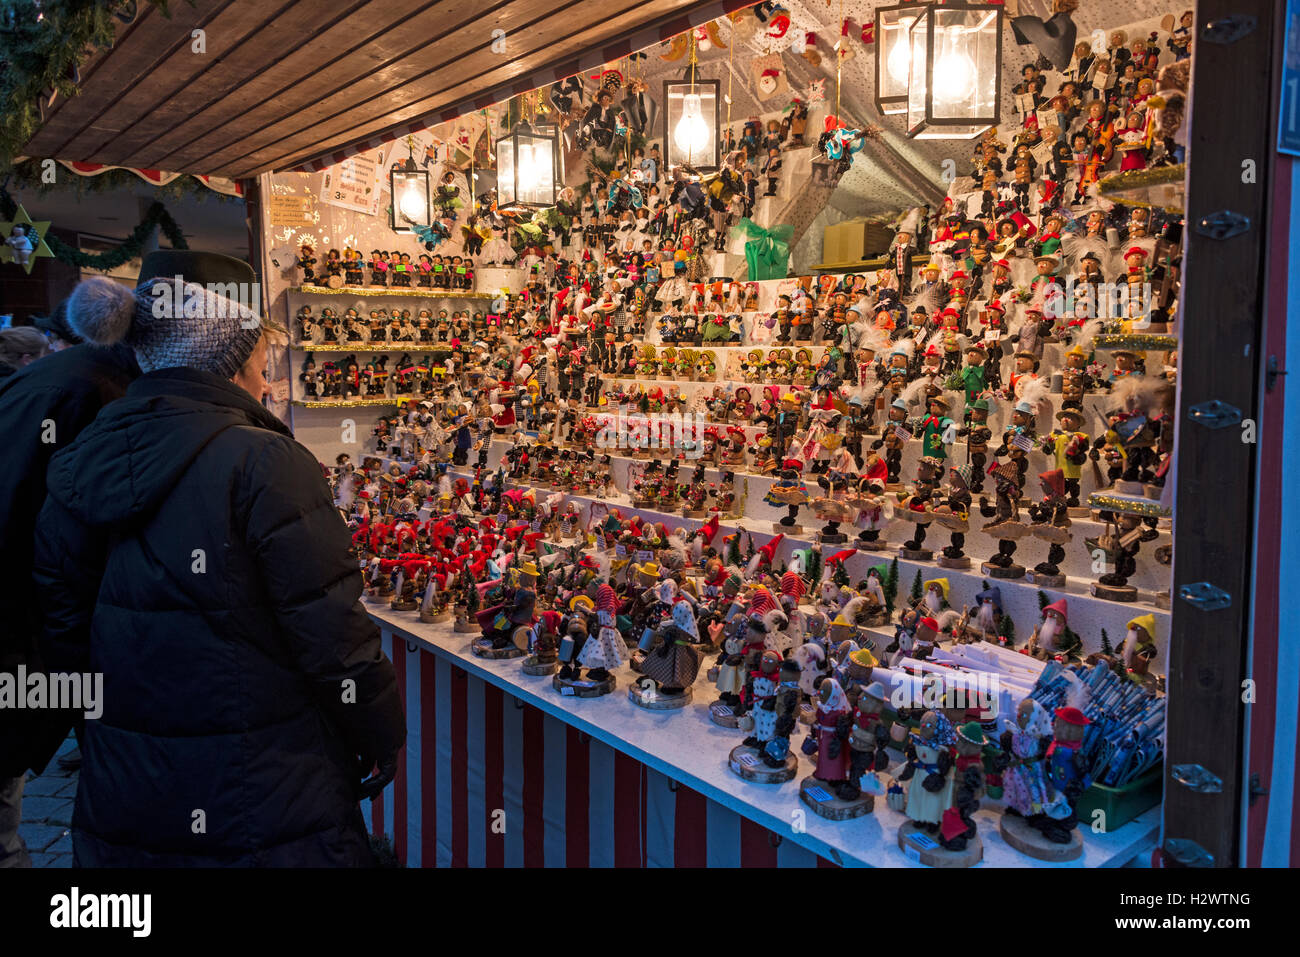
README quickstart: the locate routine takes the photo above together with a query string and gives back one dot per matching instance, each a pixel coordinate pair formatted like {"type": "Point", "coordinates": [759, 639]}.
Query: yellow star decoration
{"type": "Point", "coordinates": [13, 249]}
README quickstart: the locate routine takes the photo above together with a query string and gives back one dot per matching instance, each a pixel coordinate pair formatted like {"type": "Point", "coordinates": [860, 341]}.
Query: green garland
{"type": "Point", "coordinates": [130, 248]}
{"type": "Point", "coordinates": [42, 46]}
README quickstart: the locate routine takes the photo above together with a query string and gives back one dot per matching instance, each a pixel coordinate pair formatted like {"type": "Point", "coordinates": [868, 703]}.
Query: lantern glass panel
{"type": "Point", "coordinates": [893, 57]}
{"type": "Point", "coordinates": [528, 164]}
{"type": "Point", "coordinates": [955, 72]}
{"type": "Point", "coordinates": [506, 171]}
{"type": "Point", "coordinates": [410, 198]}
{"type": "Point", "coordinates": [691, 124]}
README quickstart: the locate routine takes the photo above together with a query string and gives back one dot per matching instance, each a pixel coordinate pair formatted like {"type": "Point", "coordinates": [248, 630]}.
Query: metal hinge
{"type": "Point", "coordinates": [1188, 853]}
{"type": "Point", "coordinates": [1195, 776]}
{"type": "Point", "coordinates": [1228, 29]}
{"type": "Point", "coordinates": [1257, 789]}
{"type": "Point", "coordinates": [1271, 372]}
{"type": "Point", "coordinates": [1215, 414]}
{"type": "Point", "coordinates": [1205, 597]}
{"type": "Point", "coordinates": [1223, 225]}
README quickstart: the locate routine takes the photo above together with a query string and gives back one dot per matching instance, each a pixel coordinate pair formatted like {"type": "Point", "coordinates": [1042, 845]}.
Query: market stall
{"type": "Point", "coordinates": [711, 401]}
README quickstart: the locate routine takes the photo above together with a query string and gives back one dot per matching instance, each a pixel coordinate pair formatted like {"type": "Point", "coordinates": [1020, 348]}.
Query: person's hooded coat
{"type": "Point", "coordinates": [242, 678]}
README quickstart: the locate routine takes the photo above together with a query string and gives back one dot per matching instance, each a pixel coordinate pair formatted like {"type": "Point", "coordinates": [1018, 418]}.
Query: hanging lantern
{"type": "Point", "coordinates": [893, 56]}
{"type": "Point", "coordinates": [530, 166]}
{"type": "Point", "coordinates": [691, 123]}
{"type": "Point", "coordinates": [409, 191]}
{"type": "Point", "coordinates": [955, 71]}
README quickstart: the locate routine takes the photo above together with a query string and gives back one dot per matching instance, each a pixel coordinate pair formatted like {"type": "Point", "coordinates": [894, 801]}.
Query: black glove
{"type": "Point", "coordinates": [383, 775]}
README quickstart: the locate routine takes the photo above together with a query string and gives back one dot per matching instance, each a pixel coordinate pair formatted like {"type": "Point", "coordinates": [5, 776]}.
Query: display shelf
{"type": "Point", "coordinates": [331, 347]}
{"type": "Point", "coordinates": [686, 746]}
{"type": "Point", "coordinates": [1088, 613]}
{"type": "Point", "coordinates": [353, 403]}
{"type": "Point", "coordinates": [1138, 505]}
{"type": "Point", "coordinates": [1137, 341]}
{"type": "Point", "coordinates": [413, 292]}
{"type": "Point", "coordinates": [1160, 186]}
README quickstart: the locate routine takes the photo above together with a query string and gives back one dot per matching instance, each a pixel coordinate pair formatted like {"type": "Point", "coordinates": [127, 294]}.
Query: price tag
{"type": "Point", "coordinates": [566, 690]}
{"type": "Point", "coordinates": [922, 840]}
{"type": "Point", "coordinates": [748, 760]}
{"type": "Point", "coordinates": [620, 550]}
{"type": "Point", "coordinates": [644, 556]}
{"type": "Point", "coordinates": [901, 433]}
{"type": "Point", "coordinates": [912, 853]}
{"type": "Point", "coordinates": [818, 794]}
{"type": "Point", "coordinates": [1023, 442]}
{"type": "Point", "coordinates": [722, 710]}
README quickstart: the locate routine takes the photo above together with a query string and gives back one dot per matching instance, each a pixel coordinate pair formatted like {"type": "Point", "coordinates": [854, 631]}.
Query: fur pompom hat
{"type": "Point", "coordinates": [180, 317]}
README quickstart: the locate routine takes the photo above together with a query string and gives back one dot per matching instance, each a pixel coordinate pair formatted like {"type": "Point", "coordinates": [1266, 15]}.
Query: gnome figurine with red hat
{"type": "Point", "coordinates": [1067, 776]}
{"type": "Point", "coordinates": [1052, 638]}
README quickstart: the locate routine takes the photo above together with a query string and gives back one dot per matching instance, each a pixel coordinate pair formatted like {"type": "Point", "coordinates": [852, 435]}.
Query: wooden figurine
{"type": "Point", "coordinates": [829, 740]}
{"type": "Point", "coordinates": [1006, 526]}
{"type": "Point", "coordinates": [1051, 522]}
{"type": "Point", "coordinates": [752, 759]}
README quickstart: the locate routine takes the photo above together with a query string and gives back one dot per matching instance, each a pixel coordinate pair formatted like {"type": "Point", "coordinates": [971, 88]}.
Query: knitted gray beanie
{"type": "Point", "coordinates": [168, 323]}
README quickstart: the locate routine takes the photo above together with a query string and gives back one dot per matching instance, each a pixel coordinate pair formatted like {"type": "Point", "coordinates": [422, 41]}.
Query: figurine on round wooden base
{"type": "Point", "coordinates": [945, 562]}
{"type": "Point", "coordinates": [404, 604]}
{"type": "Point", "coordinates": [818, 795]}
{"type": "Point", "coordinates": [779, 528]}
{"type": "Point", "coordinates": [482, 648]}
{"type": "Point", "coordinates": [1011, 571]}
{"type": "Point", "coordinates": [693, 513]}
{"type": "Point", "coordinates": [1125, 593]}
{"type": "Point", "coordinates": [1044, 579]}
{"type": "Point", "coordinates": [647, 695]}
{"type": "Point", "coordinates": [435, 617]}
{"type": "Point", "coordinates": [871, 544]}
{"type": "Point", "coordinates": [1029, 840]}
{"type": "Point", "coordinates": [723, 715]}
{"type": "Point", "coordinates": [916, 554]}
{"type": "Point", "coordinates": [748, 763]}
{"type": "Point", "coordinates": [533, 665]}
{"type": "Point", "coordinates": [836, 537]}
{"type": "Point", "coordinates": [466, 626]}
{"type": "Point", "coordinates": [589, 687]}
{"type": "Point", "coordinates": [921, 846]}
{"type": "Point", "coordinates": [1080, 511]}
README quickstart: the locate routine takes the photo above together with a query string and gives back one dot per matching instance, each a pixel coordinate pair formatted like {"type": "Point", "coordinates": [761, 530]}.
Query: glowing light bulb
{"type": "Point", "coordinates": [899, 61]}
{"type": "Point", "coordinates": [954, 76]}
{"type": "Point", "coordinates": [691, 134]}
{"type": "Point", "coordinates": [412, 203]}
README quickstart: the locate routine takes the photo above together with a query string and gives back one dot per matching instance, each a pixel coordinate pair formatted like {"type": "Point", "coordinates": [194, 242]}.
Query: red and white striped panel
{"type": "Point", "coordinates": [487, 781]}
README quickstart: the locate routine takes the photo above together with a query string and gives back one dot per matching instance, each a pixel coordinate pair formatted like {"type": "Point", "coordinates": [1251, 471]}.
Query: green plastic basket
{"type": "Point", "coordinates": [1122, 804]}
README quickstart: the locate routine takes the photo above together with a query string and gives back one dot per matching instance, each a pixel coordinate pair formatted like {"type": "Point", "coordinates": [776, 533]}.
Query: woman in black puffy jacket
{"type": "Point", "coordinates": [189, 550]}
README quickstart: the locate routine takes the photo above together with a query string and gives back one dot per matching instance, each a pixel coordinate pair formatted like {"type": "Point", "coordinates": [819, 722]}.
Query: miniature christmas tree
{"type": "Point", "coordinates": [1106, 647]}
{"type": "Point", "coordinates": [917, 591]}
{"type": "Point", "coordinates": [841, 577]}
{"type": "Point", "coordinates": [890, 585]}
{"type": "Point", "coordinates": [1043, 601]}
{"type": "Point", "coordinates": [814, 565]}
{"type": "Point", "coordinates": [749, 546]}
{"type": "Point", "coordinates": [733, 549]}
{"type": "Point", "coordinates": [1007, 631]}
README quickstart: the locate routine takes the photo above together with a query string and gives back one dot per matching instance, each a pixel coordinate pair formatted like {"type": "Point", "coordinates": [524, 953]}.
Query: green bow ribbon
{"type": "Point", "coordinates": [767, 251]}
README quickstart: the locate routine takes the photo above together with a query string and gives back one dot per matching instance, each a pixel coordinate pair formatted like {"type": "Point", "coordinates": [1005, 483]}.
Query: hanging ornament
{"type": "Point", "coordinates": [842, 46]}
{"type": "Point", "coordinates": [816, 91]}
{"type": "Point", "coordinates": [676, 47]}
{"type": "Point", "coordinates": [24, 240]}
{"type": "Point", "coordinates": [869, 32]}
{"type": "Point", "coordinates": [769, 75]}
{"type": "Point", "coordinates": [778, 26]}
